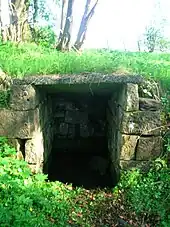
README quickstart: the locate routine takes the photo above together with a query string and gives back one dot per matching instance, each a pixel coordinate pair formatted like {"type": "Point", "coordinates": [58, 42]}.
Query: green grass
{"type": "Point", "coordinates": [28, 59]}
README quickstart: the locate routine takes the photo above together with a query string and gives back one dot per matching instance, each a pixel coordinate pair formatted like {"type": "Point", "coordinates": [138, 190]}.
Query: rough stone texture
{"type": "Point", "coordinates": [149, 104]}
{"type": "Point", "coordinates": [34, 149]}
{"type": "Point", "coordinates": [148, 148]}
{"type": "Point", "coordinates": [131, 100]}
{"type": "Point", "coordinates": [143, 165]}
{"type": "Point", "coordinates": [47, 128]}
{"type": "Point", "coordinates": [72, 121]}
{"type": "Point", "coordinates": [141, 123]}
{"type": "Point", "coordinates": [79, 120]}
{"type": "Point", "coordinates": [18, 124]}
{"type": "Point", "coordinates": [23, 97]}
{"type": "Point", "coordinates": [76, 117]}
{"type": "Point", "coordinates": [128, 147]}
{"type": "Point", "coordinates": [83, 78]}
{"type": "Point", "coordinates": [36, 168]}
{"type": "Point", "coordinates": [14, 143]}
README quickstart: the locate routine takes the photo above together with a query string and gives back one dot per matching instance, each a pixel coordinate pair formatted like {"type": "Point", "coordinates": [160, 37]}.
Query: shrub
{"type": "Point", "coordinates": [148, 193]}
{"type": "Point", "coordinates": [27, 200]}
{"type": "Point", "coordinates": [44, 36]}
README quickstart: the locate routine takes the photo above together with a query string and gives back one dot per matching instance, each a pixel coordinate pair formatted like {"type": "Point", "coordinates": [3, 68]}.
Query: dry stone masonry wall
{"type": "Point", "coordinates": [34, 118]}
{"type": "Point", "coordinates": [26, 122]}
{"type": "Point", "coordinates": [78, 119]}
{"type": "Point", "coordinates": [140, 130]}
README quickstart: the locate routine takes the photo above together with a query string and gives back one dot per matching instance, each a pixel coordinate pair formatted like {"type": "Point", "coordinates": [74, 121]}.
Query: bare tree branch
{"type": "Point", "coordinates": [81, 36]}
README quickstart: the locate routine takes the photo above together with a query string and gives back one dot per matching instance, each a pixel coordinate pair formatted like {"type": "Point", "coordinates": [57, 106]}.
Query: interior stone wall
{"type": "Point", "coordinates": [78, 120]}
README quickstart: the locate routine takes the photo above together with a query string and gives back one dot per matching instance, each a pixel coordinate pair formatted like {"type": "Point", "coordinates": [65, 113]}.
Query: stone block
{"type": "Point", "coordinates": [127, 151]}
{"type": "Point", "coordinates": [131, 102]}
{"type": "Point", "coordinates": [129, 98]}
{"type": "Point", "coordinates": [23, 97]}
{"type": "Point", "coordinates": [18, 124]}
{"type": "Point", "coordinates": [84, 131]}
{"type": "Point", "coordinates": [76, 117]}
{"type": "Point", "coordinates": [14, 143]}
{"type": "Point", "coordinates": [148, 148]}
{"type": "Point", "coordinates": [143, 165]}
{"type": "Point", "coordinates": [63, 129]}
{"type": "Point", "coordinates": [36, 168]}
{"type": "Point", "coordinates": [149, 104]}
{"type": "Point", "coordinates": [34, 149]}
{"type": "Point", "coordinates": [71, 131]}
{"type": "Point", "coordinates": [59, 114]}
{"type": "Point", "coordinates": [141, 123]}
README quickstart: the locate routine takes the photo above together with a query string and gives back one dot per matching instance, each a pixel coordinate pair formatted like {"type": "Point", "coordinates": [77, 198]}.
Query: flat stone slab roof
{"type": "Point", "coordinates": [84, 78]}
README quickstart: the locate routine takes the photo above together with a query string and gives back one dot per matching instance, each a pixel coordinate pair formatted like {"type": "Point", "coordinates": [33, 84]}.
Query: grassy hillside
{"type": "Point", "coordinates": [29, 59]}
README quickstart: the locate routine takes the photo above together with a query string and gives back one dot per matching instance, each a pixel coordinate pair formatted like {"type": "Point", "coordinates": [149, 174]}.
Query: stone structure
{"type": "Point", "coordinates": [68, 112]}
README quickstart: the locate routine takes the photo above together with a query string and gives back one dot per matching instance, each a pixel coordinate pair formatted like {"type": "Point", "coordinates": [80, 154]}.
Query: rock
{"type": "Point", "coordinates": [128, 147]}
{"type": "Point", "coordinates": [149, 104]}
{"type": "Point", "coordinates": [63, 129]}
{"type": "Point", "coordinates": [18, 124]}
{"type": "Point", "coordinates": [143, 165]}
{"type": "Point", "coordinates": [23, 97]}
{"type": "Point", "coordinates": [34, 149]}
{"type": "Point", "coordinates": [141, 123]}
{"type": "Point", "coordinates": [131, 102]}
{"type": "Point", "coordinates": [84, 131]}
{"type": "Point", "coordinates": [35, 168]}
{"type": "Point", "coordinates": [76, 117]}
{"type": "Point", "coordinates": [5, 81]}
{"type": "Point", "coordinates": [148, 148]}
{"type": "Point", "coordinates": [71, 131]}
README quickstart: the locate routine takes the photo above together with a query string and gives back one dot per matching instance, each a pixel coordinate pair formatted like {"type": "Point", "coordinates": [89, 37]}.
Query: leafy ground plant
{"type": "Point", "coordinates": [148, 194]}
{"type": "Point", "coordinates": [30, 200]}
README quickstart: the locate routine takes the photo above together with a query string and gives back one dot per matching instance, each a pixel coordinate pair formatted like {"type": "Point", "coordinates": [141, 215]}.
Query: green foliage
{"type": "Point", "coordinates": [148, 193]}
{"type": "Point", "coordinates": [44, 36]}
{"type": "Point", "coordinates": [27, 200]}
{"type": "Point", "coordinates": [30, 200]}
{"type": "Point", "coordinates": [4, 98]}
{"type": "Point", "coordinates": [30, 59]}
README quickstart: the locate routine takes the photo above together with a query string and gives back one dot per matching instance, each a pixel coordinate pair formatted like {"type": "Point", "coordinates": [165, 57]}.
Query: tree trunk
{"type": "Point", "coordinates": [64, 43]}
{"type": "Point", "coordinates": [19, 29]}
{"type": "Point", "coordinates": [62, 19]}
{"type": "Point", "coordinates": [35, 14]}
{"type": "Point", "coordinates": [4, 19]}
{"type": "Point", "coordinates": [81, 36]}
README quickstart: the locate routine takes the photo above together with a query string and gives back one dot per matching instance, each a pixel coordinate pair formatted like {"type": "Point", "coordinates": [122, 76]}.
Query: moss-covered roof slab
{"type": "Point", "coordinates": [81, 83]}
{"type": "Point", "coordinates": [84, 78]}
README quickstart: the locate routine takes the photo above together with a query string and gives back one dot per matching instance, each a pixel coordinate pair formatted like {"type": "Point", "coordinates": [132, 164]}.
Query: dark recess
{"type": "Point", "coordinates": [71, 153]}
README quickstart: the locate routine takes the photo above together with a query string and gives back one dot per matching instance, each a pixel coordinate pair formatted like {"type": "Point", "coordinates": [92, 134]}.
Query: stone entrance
{"type": "Point", "coordinates": [77, 126]}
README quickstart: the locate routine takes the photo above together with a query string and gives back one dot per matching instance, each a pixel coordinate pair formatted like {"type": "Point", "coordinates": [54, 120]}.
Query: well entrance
{"type": "Point", "coordinates": [79, 152]}
{"type": "Point", "coordinates": [81, 129]}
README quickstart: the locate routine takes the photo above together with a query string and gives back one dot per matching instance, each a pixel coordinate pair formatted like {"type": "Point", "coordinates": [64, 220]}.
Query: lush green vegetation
{"type": "Point", "coordinates": [30, 200]}
{"type": "Point", "coordinates": [29, 59]}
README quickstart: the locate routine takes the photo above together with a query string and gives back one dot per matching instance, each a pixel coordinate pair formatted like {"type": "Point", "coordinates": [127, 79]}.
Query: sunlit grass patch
{"type": "Point", "coordinates": [29, 59]}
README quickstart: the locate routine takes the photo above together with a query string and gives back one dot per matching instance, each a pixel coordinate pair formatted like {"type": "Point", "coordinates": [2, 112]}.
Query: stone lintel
{"type": "Point", "coordinates": [82, 78]}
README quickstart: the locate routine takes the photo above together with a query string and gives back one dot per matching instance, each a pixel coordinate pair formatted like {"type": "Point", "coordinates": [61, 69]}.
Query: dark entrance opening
{"type": "Point", "coordinates": [80, 150]}
{"type": "Point", "coordinates": [79, 154]}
